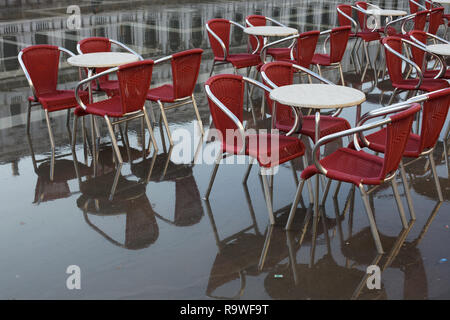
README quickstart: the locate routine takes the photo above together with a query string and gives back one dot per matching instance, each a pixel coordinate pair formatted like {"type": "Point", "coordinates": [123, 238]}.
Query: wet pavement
{"type": "Point", "coordinates": [157, 238]}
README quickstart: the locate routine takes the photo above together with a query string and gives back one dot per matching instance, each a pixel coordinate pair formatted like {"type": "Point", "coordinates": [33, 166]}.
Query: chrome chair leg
{"type": "Point", "coordinates": [74, 135]}
{"type": "Point", "coordinates": [398, 200]}
{"type": "Point", "coordinates": [268, 197]}
{"type": "Point", "coordinates": [294, 173]}
{"type": "Point", "coordinates": [338, 187]}
{"type": "Point", "coordinates": [435, 176]}
{"type": "Point", "coordinates": [118, 157]}
{"type": "Point", "coordinates": [325, 195]}
{"type": "Point", "coordinates": [373, 226]}
{"type": "Point", "coordinates": [213, 175]}
{"type": "Point", "coordinates": [341, 73]}
{"type": "Point", "coordinates": [150, 130]}
{"type": "Point", "coordinates": [407, 191]}
{"type": "Point", "coordinates": [310, 187]}
{"type": "Point", "coordinates": [52, 144]}
{"type": "Point", "coordinates": [298, 196]}
{"type": "Point", "coordinates": [247, 172]}
{"type": "Point", "coordinates": [200, 123]}
{"type": "Point", "coordinates": [28, 117]}
{"type": "Point", "coordinates": [212, 68]}
{"type": "Point", "coordinates": [166, 124]}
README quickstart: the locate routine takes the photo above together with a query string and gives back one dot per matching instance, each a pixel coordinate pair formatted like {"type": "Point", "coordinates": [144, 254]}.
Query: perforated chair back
{"type": "Point", "coordinates": [434, 113]}
{"type": "Point", "coordinates": [394, 63]}
{"type": "Point", "coordinates": [185, 69]}
{"type": "Point", "coordinates": [305, 48]}
{"type": "Point", "coordinates": [397, 134]}
{"type": "Point", "coordinates": [228, 89]}
{"type": "Point", "coordinates": [342, 20]}
{"type": "Point", "coordinates": [134, 83]}
{"type": "Point", "coordinates": [222, 28]}
{"type": "Point", "coordinates": [42, 63]}
{"type": "Point", "coordinates": [338, 42]}
{"type": "Point", "coordinates": [435, 19]}
{"type": "Point", "coordinates": [256, 21]}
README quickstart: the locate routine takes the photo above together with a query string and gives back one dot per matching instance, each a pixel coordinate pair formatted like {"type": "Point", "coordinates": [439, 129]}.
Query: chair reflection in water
{"type": "Point", "coordinates": [130, 199]}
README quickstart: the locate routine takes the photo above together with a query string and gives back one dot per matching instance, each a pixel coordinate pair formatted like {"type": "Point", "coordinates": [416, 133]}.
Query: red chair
{"type": "Point", "coordinates": [414, 7]}
{"type": "Point", "coordinates": [365, 35]}
{"type": "Point", "coordinates": [219, 38]}
{"type": "Point", "coordinates": [394, 59]}
{"type": "Point", "coordinates": [419, 54]}
{"type": "Point", "coordinates": [303, 49]}
{"type": "Point", "coordinates": [276, 74]}
{"type": "Point", "coordinates": [99, 44]}
{"type": "Point", "coordinates": [361, 168]}
{"type": "Point", "coordinates": [435, 19]}
{"type": "Point", "coordinates": [40, 64]}
{"type": "Point", "coordinates": [434, 113]}
{"type": "Point", "coordinates": [134, 81]}
{"type": "Point", "coordinates": [257, 43]}
{"type": "Point", "coordinates": [185, 69]}
{"type": "Point", "coordinates": [226, 101]}
{"type": "Point", "coordinates": [338, 43]}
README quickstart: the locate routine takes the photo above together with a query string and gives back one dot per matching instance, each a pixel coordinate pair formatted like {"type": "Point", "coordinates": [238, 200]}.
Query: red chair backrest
{"type": "Point", "coordinates": [96, 44]}
{"type": "Point", "coordinates": [397, 135]}
{"type": "Point", "coordinates": [434, 113]}
{"type": "Point", "coordinates": [435, 19]}
{"type": "Point", "coordinates": [394, 63]}
{"type": "Point", "coordinates": [342, 20]}
{"type": "Point", "coordinates": [338, 42]}
{"type": "Point", "coordinates": [185, 69]}
{"type": "Point", "coordinates": [281, 74]}
{"type": "Point", "coordinates": [228, 89]}
{"type": "Point", "coordinates": [413, 7]}
{"type": "Point", "coordinates": [420, 20]}
{"type": "Point", "coordinates": [222, 28]}
{"type": "Point", "coordinates": [256, 20]}
{"type": "Point", "coordinates": [418, 55]}
{"type": "Point", "coordinates": [361, 16]}
{"type": "Point", "coordinates": [134, 83]}
{"type": "Point", "coordinates": [42, 62]}
{"type": "Point", "coordinates": [305, 48]}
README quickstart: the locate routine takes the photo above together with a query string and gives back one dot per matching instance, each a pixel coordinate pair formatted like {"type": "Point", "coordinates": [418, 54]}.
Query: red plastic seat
{"type": "Point", "coordinates": [128, 104]}
{"type": "Point", "coordinates": [418, 55]}
{"type": "Point", "coordinates": [40, 63]}
{"type": "Point", "coordinates": [185, 68]}
{"type": "Point", "coordinates": [304, 49]}
{"type": "Point", "coordinates": [338, 43]}
{"type": "Point", "coordinates": [257, 42]}
{"type": "Point", "coordinates": [361, 168]}
{"type": "Point", "coordinates": [226, 101]}
{"type": "Point", "coordinates": [394, 66]}
{"type": "Point", "coordinates": [101, 44]}
{"type": "Point", "coordinates": [281, 74]}
{"type": "Point", "coordinates": [434, 114]}
{"type": "Point", "coordinates": [219, 37]}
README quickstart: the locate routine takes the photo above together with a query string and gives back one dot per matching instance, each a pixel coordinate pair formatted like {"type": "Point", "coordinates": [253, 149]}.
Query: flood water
{"type": "Point", "coordinates": [160, 240]}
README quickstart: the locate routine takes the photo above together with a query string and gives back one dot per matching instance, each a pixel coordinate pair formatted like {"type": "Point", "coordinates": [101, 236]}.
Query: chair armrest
{"type": "Point", "coordinates": [120, 44]}
{"type": "Point", "coordinates": [88, 80]}
{"type": "Point", "coordinates": [224, 49]}
{"type": "Point", "coordinates": [264, 49]}
{"type": "Point", "coordinates": [340, 134]}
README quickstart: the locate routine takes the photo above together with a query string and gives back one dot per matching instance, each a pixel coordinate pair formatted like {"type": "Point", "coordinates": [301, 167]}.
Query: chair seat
{"type": "Point", "coordinates": [259, 146]}
{"type": "Point", "coordinates": [378, 143]}
{"type": "Point", "coordinates": [434, 73]}
{"type": "Point", "coordinates": [60, 100]}
{"type": "Point", "coordinates": [110, 87]}
{"type": "Point", "coordinates": [368, 36]}
{"type": "Point", "coordinates": [110, 107]}
{"type": "Point", "coordinates": [322, 59]}
{"type": "Point", "coordinates": [351, 166]}
{"type": "Point", "coordinates": [428, 85]}
{"type": "Point", "coordinates": [163, 93]}
{"type": "Point", "coordinates": [328, 125]}
{"type": "Point", "coordinates": [279, 53]}
{"type": "Point", "coordinates": [242, 60]}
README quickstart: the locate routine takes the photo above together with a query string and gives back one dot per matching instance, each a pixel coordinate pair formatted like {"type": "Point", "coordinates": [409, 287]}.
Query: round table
{"type": "Point", "coordinates": [389, 13]}
{"type": "Point", "coordinates": [317, 97]}
{"type": "Point", "coordinates": [102, 59]}
{"type": "Point", "coordinates": [94, 60]}
{"type": "Point", "coordinates": [269, 31]}
{"type": "Point", "coordinates": [442, 49]}
{"type": "Point", "coordinates": [442, 1]}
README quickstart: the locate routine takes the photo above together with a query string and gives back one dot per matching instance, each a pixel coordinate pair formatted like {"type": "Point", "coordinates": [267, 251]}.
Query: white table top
{"type": "Point", "coordinates": [317, 96]}
{"type": "Point", "coordinates": [270, 31]}
{"type": "Point", "coordinates": [442, 49]}
{"type": "Point", "coordinates": [442, 1]}
{"type": "Point", "coordinates": [102, 59]}
{"type": "Point", "coordinates": [386, 12]}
